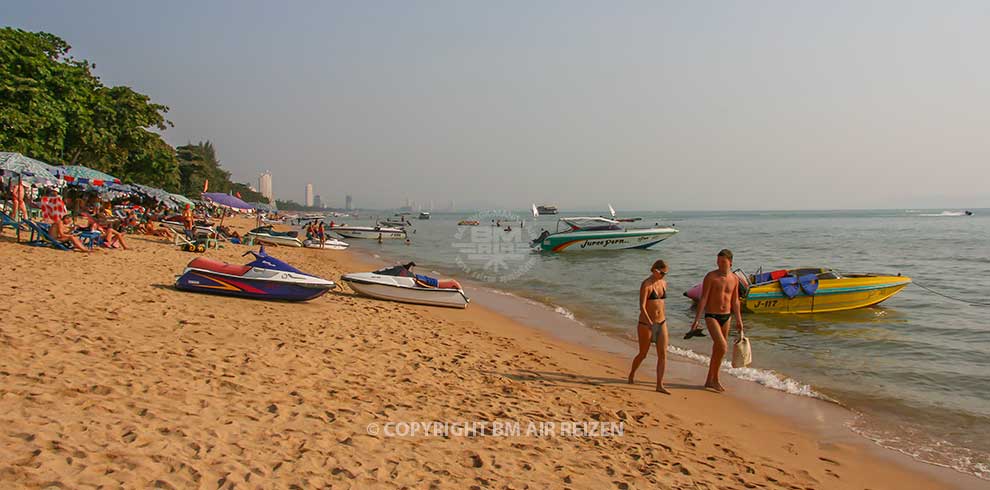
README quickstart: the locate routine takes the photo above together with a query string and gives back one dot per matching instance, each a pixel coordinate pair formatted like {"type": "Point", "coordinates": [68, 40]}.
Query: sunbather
{"type": "Point", "coordinates": [61, 230]}
{"type": "Point", "coordinates": [111, 236]}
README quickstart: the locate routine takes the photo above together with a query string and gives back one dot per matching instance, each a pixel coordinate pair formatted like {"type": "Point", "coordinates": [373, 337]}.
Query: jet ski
{"type": "Point", "coordinates": [400, 283]}
{"type": "Point", "coordinates": [328, 244]}
{"type": "Point", "coordinates": [267, 234]}
{"type": "Point", "coordinates": [263, 278]}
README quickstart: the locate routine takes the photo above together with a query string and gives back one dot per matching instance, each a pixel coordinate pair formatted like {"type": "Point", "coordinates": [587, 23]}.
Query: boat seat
{"type": "Point", "coordinates": [218, 267]}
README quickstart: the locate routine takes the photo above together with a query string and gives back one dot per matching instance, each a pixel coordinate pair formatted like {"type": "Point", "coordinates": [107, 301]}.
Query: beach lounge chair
{"type": "Point", "coordinates": [6, 220]}
{"type": "Point", "coordinates": [190, 245]}
{"type": "Point", "coordinates": [41, 238]}
{"type": "Point", "coordinates": [91, 238]}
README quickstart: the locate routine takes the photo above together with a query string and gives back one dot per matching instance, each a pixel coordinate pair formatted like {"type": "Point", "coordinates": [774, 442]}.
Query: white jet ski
{"type": "Point", "coordinates": [399, 283]}
{"type": "Point", "coordinates": [328, 244]}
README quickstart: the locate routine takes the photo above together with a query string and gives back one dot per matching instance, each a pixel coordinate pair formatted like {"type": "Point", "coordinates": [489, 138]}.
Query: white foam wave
{"type": "Point", "coordinates": [943, 213]}
{"type": "Point", "coordinates": [563, 311]}
{"type": "Point", "coordinates": [936, 452]}
{"type": "Point", "coordinates": [765, 377]}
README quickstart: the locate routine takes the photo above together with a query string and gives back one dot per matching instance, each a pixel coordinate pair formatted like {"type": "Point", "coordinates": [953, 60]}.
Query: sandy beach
{"type": "Point", "coordinates": [111, 378]}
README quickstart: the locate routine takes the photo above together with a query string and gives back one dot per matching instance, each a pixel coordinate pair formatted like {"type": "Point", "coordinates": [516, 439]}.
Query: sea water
{"type": "Point", "coordinates": [915, 370]}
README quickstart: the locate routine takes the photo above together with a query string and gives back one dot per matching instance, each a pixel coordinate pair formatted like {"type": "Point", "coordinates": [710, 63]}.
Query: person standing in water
{"type": "Point", "coordinates": [321, 232]}
{"type": "Point", "coordinates": [652, 326]}
{"type": "Point", "coordinates": [719, 301]}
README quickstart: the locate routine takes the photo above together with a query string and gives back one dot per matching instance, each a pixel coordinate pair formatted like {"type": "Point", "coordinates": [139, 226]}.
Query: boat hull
{"type": "Point", "coordinates": [208, 282]}
{"type": "Point", "coordinates": [605, 240]}
{"type": "Point", "coordinates": [451, 298]}
{"type": "Point", "coordinates": [328, 244]}
{"type": "Point", "coordinates": [283, 241]}
{"type": "Point", "coordinates": [370, 233]}
{"type": "Point", "coordinates": [847, 293]}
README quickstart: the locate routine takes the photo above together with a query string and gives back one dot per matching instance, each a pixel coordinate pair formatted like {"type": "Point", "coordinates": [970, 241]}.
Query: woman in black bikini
{"type": "Point", "coordinates": [652, 327]}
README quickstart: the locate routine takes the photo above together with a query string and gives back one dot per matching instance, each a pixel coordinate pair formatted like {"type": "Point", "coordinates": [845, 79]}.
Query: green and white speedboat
{"type": "Point", "coordinates": [588, 233]}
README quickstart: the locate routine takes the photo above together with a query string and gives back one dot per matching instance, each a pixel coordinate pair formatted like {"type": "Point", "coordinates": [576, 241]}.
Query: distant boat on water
{"type": "Point", "coordinates": [947, 214]}
{"type": "Point", "coordinates": [546, 209]}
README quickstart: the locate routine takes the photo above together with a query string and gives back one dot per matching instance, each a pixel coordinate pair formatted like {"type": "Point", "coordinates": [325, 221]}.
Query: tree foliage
{"type": "Point", "coordinates": [198, 163]}
{"type": "Point", "coordinates": [54, 109]}
{"type": "Point", "coordinates": [290, 205]}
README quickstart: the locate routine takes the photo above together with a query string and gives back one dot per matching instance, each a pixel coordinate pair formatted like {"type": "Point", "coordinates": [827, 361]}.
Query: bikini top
{"type": "Point", "coordinates": [653, 294]}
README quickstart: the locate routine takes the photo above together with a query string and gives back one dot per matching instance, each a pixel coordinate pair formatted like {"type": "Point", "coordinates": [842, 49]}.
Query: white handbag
{"type": "Point", "coordinates": [742, 353]}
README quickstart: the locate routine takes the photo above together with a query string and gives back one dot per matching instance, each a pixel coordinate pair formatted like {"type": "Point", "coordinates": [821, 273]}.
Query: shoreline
{"type": "Point", "coordinates": [109, 376]}
{"type": "Point", "coordinates": [826, 418]}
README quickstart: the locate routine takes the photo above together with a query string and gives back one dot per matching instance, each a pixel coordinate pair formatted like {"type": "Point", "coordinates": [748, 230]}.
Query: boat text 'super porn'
{"type": "Point", "coordinates": [587, 233]}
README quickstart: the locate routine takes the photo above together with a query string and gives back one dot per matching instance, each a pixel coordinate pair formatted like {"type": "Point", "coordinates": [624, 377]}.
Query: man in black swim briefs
{"type": "Point", "coordinates": [719, 301]}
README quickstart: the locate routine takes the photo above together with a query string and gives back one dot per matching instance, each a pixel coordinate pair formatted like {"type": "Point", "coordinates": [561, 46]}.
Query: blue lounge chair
{"type": "Point", "coordinates": [90, 238]}
{"type": "Point", "coordinates": [41, 238]}
{"type": "Point", "coordinates": [6, 220]}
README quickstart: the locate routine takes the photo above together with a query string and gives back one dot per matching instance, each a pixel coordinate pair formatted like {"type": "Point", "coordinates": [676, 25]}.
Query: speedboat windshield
{"type": "Point", "coordinates": [396, 270]}
{"type": "Point", "coordinates": [588, 224]}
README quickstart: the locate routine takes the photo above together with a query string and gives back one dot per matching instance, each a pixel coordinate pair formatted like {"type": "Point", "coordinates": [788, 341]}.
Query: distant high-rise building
{"type": "Point", "coordinates": [309, 195]}
{"type": "Point", "coordinates": [317, 202]}
{"type": "Point", "coordinates": [265, 186]}
{"type": "Point", "coordinates": [348, 203]}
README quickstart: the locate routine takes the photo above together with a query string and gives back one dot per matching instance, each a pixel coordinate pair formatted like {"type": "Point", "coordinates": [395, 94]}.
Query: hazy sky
{"type": "Point", "coordinates": [647, 105]}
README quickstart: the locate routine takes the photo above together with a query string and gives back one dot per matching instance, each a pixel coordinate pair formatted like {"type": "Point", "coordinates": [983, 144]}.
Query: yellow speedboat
{"type": "Point", "coordinates": [813, 290]}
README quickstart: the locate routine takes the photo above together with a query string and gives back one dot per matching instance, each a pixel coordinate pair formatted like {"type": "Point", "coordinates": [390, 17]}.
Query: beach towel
{"type": "Point", "coordinates": [742, 354]}
{"type": "Point", "coordinates": [52, 208]}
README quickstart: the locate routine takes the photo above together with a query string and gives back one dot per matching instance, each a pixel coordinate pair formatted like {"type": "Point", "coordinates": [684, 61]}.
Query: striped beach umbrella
{"type": "Point", "coordinates": [28, 168]}
{"type": "Point", "coordinates": [78, 174]}
{"type": "Point", "coordinates": [182, 200]}
{"type": "Point", "coordinates": [162, 196]}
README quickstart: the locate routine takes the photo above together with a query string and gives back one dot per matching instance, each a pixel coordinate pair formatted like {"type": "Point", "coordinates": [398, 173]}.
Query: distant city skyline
{"type": "Point", "coordinates": [646, 105]}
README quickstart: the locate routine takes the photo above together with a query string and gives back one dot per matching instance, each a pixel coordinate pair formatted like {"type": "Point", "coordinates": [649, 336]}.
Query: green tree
{"type": "Point", "coordinates": [53, 108]}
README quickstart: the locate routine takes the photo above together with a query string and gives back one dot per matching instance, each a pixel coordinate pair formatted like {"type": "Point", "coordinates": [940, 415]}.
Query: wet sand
{"type": "Point", "coordinates": [109, 376]}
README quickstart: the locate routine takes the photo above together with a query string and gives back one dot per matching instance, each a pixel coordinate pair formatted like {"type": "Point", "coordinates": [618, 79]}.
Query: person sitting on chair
{"type": "Point", "coordinates": [61, 230]}
{"type": "Point", "coordinates": [111, 237]}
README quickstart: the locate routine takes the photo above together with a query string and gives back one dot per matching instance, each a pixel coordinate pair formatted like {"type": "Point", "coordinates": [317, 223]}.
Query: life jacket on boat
{"type": "Point", "coordinates": [809, 283]}
{"type": "Point", "coordinates": [432, 282]}
{"type": "Point", "coordinates": [789, 285]}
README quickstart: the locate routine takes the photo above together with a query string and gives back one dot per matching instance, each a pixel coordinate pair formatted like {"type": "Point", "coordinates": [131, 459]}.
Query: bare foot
{"type": "Point", "coordinates": [630, 381]}
{"type": "Point", "coordinates": [663, 390]}
{"type": "Point", "coordinates": [715, 386]}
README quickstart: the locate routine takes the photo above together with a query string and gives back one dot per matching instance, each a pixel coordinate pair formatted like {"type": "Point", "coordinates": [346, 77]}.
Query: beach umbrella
{"type": "Point", "coordinates": [28, 168]}
{"type": "Point", "coordinates": [182, 200]}
{"type": "Point", "coordinates": [113, 191]}
{"type": "Point", "coordinates": [226, 200]}
{"type": "Point", "coordinates": [163, 197]}
{"type": "Point", "coordinates": [78, 174]}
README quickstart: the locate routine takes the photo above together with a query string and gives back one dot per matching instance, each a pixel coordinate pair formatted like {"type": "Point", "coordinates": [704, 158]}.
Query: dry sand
{"type": "Point", "coordinates": [111, 378]}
